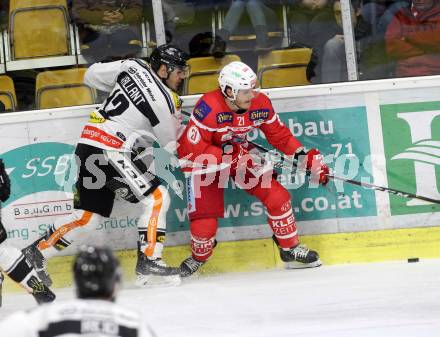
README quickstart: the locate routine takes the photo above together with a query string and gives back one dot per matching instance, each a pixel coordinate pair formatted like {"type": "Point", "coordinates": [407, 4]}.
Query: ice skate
{"type": "Point", "coordinates": [37, 260]}
{"type": "Point", "coordinates": [40, 291]}
{"type": "Point", "coordinates": [190, 266]}
{"type": "Point", "coordinates": [299, 257]}
{"type": "Point", "coordinates": [154, 272]}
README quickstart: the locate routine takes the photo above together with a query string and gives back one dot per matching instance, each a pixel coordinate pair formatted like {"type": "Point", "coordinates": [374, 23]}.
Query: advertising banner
{"type": "Point", "coordinates": [411, 134]}
{"type": "Point", "coordinates": [37, 149]}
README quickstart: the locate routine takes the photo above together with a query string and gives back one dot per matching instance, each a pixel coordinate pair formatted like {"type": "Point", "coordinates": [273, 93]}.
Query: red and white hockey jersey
{"type": "Point", "coordinates": [213, 124]}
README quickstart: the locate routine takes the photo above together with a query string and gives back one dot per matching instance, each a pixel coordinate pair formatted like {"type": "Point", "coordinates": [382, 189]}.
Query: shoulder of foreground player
{"type": "Point", "coordinates": [93, 305]}
{"type": "Point", "coordinates": [214, 98]}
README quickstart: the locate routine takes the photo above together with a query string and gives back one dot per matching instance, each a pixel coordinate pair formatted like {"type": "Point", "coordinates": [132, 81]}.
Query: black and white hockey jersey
{"type": "Point", "coordinates": [97, 318]}
{"type": "Point", "coordinates": [139, 106]}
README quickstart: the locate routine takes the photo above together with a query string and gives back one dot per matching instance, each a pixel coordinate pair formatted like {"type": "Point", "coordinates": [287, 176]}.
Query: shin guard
{"type": "Point", "coordinates": [152, 225]}
{"type": "Point", "coordinates": [203, 238]}
{"type": "Point", "coordinates": [282, 222]}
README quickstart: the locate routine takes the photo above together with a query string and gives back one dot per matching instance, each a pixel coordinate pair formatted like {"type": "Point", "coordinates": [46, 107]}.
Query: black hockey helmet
{"type": "Point", "coordinates": [96, 272]}
{"type": "Point", "coordinates": [170, 55]}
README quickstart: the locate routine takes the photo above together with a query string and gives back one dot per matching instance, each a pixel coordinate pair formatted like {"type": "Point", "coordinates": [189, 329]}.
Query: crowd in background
{"type": "Point", "coordinates": [393, 38]}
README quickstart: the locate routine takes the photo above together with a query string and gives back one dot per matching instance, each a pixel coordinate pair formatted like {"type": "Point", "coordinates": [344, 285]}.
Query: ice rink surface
{"type": "Point", "coordinates": [384, 299]}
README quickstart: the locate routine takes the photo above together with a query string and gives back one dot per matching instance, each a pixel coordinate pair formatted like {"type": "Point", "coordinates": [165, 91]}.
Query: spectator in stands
{"type": "Point", "coordinates": [4, 7]}
{"type": "Point", "coordinates": [327, 31]}
{"type": "Point", "coordinates": [174, 13]}
{"type": "Point", "coordinates": [301, 14]}
{"type": "Point", "coordinates": [413, 39]}
{"type": "Point", "coordinates": [201, 44]}
{"type": "Point", "coordinates": [108, 29]}
{"type": "Point", "coordinates": [378, 13]}
{"type": "Point", "coordinates": [177, 13]}
{"type": "Point", "coordinates": [259, 14]}
{"type": "Point", "coordinates": [187, 22]}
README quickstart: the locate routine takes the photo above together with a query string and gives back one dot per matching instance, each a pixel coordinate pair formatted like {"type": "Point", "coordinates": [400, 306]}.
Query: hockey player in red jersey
{"type": "Point", "coordinates": [214, 148]}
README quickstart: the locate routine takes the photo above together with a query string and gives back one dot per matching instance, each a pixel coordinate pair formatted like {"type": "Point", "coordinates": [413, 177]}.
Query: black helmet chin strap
{"type": "Point", "coordinates": [168, 73]}
{"type": "Point", "coordinates": [169, 70]}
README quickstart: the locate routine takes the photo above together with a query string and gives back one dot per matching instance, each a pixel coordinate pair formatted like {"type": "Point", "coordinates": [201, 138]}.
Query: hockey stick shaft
{"type": "Point", "coordinates": [356, 182]}
{"type": "Point", "coordinates": [282, 164]}
{"type": "Point", "coordinates": [385, 189]}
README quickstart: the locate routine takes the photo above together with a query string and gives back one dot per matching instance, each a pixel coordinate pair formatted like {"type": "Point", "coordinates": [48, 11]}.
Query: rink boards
{"type": "Point", "coordinates": [384, 132]}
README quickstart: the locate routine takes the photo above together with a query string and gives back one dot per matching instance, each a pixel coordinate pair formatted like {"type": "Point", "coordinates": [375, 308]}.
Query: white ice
{"type": "Point", "coordinates": [384, 299]}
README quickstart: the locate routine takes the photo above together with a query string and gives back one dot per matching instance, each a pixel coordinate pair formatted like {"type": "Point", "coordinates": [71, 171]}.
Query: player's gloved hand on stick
{"type": "Point", "coordinates": [313, 162]}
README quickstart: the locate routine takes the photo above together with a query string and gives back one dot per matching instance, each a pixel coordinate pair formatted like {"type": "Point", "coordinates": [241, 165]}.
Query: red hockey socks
{"type": "Point", "coordinates": [282, 221]}
{"type": "Point", "coordinates": [203, 238]}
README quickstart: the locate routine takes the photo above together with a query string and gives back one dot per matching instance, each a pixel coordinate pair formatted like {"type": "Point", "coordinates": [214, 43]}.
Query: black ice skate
{"type": "Point", "coordinates": [299, 257]}
{"type": "Point", "coordinates": [190, 266]}
{"type": "Point", "coordinates": [40, 291]}
{"type": "Point", "coordinates": [37, 260]}
{"type": "Point", "coordinates": [154, 272]}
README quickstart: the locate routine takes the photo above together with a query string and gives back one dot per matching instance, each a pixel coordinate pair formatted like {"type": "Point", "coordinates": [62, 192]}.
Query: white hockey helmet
{"type": "Point", "coordinates": [237, 76]}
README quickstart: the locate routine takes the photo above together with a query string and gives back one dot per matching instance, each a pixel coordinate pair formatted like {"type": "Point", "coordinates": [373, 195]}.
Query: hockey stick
{"type": "Point", "coordinates": [283, 162]}
{"type": "Point", "coordinates": [2, 278]}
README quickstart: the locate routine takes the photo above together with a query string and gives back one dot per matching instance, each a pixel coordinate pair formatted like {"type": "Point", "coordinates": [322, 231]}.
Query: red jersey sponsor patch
{"type": "Point", "coordinates": [100, 136]}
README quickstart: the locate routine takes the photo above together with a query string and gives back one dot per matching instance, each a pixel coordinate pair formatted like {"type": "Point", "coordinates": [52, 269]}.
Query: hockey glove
{"type": "Point", "coordinates": [5, 183]}
{"type": "Point", "coordinates": [313, 162]}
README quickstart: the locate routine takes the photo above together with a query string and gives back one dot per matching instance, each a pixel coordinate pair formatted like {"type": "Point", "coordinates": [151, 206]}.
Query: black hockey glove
{"type": "Point", "coordinates": [5, 183]}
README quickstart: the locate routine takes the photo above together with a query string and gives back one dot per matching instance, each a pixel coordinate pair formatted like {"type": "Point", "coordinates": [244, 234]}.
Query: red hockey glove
{"type": "Point", "coordinates": [315, 164]}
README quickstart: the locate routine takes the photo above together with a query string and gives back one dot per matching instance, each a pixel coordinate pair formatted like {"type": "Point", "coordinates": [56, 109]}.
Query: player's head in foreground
{"type": "Point", "coordinates": [96, 273]}
{"type": "Point", "coordinates": [237, 82]}
{"type": "Point", "coordinates": [169, 63]}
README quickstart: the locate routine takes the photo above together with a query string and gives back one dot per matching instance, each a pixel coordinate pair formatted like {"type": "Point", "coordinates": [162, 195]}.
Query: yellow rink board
{"type": "Point", "coordinates": [253, 255]}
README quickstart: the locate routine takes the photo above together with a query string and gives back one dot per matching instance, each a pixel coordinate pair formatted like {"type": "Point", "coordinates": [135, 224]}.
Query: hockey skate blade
{"type": "Point", "coordinates": [299, 265]}
{"type": "Point", "coordinates": [149, 281]}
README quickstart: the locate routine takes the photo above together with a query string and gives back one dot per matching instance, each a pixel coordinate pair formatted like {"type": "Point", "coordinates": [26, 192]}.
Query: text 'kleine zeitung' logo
{"type": "Point", "coordinates": [424, 152]}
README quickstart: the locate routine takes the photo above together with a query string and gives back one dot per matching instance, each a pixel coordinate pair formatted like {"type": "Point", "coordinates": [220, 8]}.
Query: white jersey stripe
{"type": "Point", "coordinates": [273, 119]}
{"type": "Point", "coordinates": [277, 217]}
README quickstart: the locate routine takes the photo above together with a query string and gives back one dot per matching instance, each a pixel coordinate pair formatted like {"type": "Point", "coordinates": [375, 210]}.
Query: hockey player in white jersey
{"type": "Point", "coordinates": [97, 277]}
{"type": "Point", "coordinates": [12, 262]}
{"type": "Point", "coordinates": [142, 107]}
